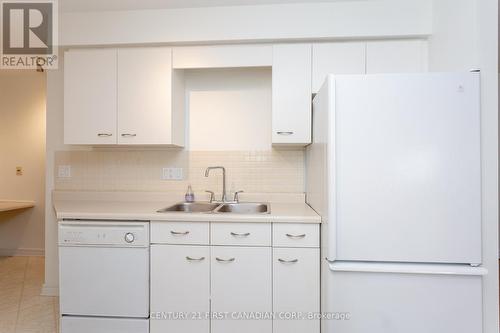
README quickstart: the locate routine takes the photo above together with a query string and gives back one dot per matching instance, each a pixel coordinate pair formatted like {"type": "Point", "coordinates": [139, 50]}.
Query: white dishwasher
{"type": "Point", "coordinates": [104, 276]}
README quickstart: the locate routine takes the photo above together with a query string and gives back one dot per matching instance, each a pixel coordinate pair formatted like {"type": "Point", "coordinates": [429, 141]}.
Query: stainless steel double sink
{"type": "Point", "coordinates": [219, 208]}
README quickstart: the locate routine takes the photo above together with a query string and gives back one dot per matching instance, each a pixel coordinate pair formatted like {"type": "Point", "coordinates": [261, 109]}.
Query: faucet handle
{"type": "Point", "coordinates": [212, 195]}
{"type": "Point", "coordinates": [236, 196]}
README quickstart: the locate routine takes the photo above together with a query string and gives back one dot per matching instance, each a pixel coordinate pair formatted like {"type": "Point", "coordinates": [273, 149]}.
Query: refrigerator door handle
{"type": "Point", "coordinates": [406, 268]}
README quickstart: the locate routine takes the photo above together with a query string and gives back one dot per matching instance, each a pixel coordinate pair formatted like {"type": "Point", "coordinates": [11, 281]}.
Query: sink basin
{"type": "Point", "coordinates": [207, 207]}
{"type": "Point", "coordinates": [244, 208]}
{"type": "Point", "coordinates": [191, 207]}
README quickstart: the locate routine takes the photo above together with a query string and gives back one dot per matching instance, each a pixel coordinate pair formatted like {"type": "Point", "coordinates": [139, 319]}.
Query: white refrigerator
{"type": "Point", "coordinates": [394, 170]}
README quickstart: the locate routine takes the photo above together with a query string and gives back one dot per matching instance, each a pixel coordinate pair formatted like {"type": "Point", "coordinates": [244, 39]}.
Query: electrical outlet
{"type": "Point", "coordinates": [172, 174]}
{"type": "Point", "coordinates": [64, 171]}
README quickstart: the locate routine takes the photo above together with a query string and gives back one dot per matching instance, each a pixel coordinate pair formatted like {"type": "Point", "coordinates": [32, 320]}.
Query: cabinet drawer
{"type": "Point", "coordinates": [180, 233]}
{"type": "Point", "coordinates": [256, 234]}
{"type": "Point", "coordinates": [295, 235]}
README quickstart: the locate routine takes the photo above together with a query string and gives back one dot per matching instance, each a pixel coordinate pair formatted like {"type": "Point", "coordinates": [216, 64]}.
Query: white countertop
{"type": "Point", "coordinates": [8, 205]}
{"type": "Point", "coordinates": [121, 208]}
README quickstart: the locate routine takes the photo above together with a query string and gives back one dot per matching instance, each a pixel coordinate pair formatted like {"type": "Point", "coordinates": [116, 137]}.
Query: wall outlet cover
{"type": "Point", "coordinates": [172, 174]}
{"type": "Point", "coordinates": [64, 171]}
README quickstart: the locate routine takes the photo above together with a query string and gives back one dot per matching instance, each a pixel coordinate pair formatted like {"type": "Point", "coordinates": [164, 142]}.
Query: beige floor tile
{"type": "Point", "coordinates": [22, 308]}
{"type": "Point", "coordinates": [28, 302]}
{"type": "Point", "coordinates": [8, 318]}
{"type": "Point", "coordinates": [9, 264]}
{"type": "Point", "coordinates": [7, 327]}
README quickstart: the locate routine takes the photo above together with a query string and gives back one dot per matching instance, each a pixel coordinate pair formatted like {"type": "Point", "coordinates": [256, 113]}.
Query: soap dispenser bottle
{"type": "Point", "coordinates": [189, 196]}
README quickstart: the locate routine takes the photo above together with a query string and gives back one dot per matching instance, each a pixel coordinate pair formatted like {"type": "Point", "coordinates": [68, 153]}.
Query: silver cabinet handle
{"type": "Point", "coordinates": [104, 135]}
{"type": "Point", "coordinates": [195, 259]}
{"type": "Point", "coordinates": [283, 261]}
{"type": "Point", "coordinates": [179, 232]}
{"type": "Point", "coordinates": [224, 260]}
{"type": "Point", "coordinates": [284, 132]}
{"type": "Point", "coordinates": [128, 135]}
{"type": "Point", "coordinates": [236, 234]}
{"type": "Point", "coordinates": [295, 236]}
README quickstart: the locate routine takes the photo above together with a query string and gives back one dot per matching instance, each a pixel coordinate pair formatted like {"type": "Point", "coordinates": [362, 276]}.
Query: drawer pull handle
{"type": "Point", "coordinates": [224, 260]}
{"type": "Point", "coordinates": [295, 236]}
{"type": "Point", "coordinates": [284, 132]}
{"type": "Point", "coordinates": [236, 234]}
{"type": "Point", "coordinates": [195, 259]}
{"type": "Point", "coordinates": [283, 261]}
{"type": "Point", "coordinates": [104, 135]}
{"type": "Point", "coordinates": [177, 233]}
{"type": "Point", "coordinates": [128, 135]}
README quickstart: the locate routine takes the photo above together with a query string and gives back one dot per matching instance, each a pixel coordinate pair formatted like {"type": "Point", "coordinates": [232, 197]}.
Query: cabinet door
{"type": "Point", "coordinates": [90, 97]}
{"type": "Point", "coordinates": [144, 96]}
{"type": "Point", "coordinates": [180, 284]}
{"type": "Point", "coordinates": [296, 290]}
{"type": "Point", "coordinates": [241, 285]}
{"type": "Point", "coordinates": [291, 94]}
{"type": "Point", "coordinates": [222, 56]}
{"type": "Point", "coordinates": [396, 57]}
{"type": "Point", "coordinates": [336, 58]}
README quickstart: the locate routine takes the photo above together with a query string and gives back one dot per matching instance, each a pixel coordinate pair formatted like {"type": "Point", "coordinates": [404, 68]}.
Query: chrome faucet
{"type": "Point", "coordinates": [207, 172]}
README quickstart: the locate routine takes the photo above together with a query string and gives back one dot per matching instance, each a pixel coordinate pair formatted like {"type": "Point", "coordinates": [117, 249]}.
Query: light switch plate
{"type": "Point", "coordinates": [172, 174]}
{"type": "Point", "coordinates": [64, 171]}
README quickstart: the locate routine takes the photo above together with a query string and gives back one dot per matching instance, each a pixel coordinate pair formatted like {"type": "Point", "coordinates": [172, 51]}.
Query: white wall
{"type": "Point", "coordinates": [22, 143]}
{"type": "Point", "coordinates": [465, 36]}
{"type": "Point", "coordinates": [342, 19]}
{"type": "Point", "coordinates": [487, 46]}
{"type": "Point", "coordinates": [54, 142]}
{"type": "Point", "coordinates": [229, 109]}
{"type": "Point", "coordinates": [453, 45]}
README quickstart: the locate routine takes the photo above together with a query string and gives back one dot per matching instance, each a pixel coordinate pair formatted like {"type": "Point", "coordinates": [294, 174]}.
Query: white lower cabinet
{"type": "Point", "coordinates": [241, 286]}
{"type": "Point", "coordinates": [234, 288]}
{"type": "Point", "coordinates": [296, 283]}
{"type": "Point", "coordinates": [180, 286]}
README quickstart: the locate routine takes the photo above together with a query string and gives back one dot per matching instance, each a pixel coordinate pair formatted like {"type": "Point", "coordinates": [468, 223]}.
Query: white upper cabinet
{"type": "Point", "coordinates": [336, 58]}
{"type": "Point", "coordinates": [90, 97]}
{"type": "Point", "coordinates": [126, 96]}
{"type": "Point", "coordinates": [291, 94]}
{"type": "Point", "coordinates": [145, 112]}
{"type": "Point", "coordinates": [396, 56]}
{"type": "Point", "coordinates": [222, 56]}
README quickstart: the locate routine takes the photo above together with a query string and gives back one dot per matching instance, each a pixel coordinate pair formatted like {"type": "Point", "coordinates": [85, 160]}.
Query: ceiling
{"type": "Point", "coordinates": [109, 5]}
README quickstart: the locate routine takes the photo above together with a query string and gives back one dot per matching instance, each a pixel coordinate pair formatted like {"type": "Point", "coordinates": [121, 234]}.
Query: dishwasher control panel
{"type": "Point", "coordinates": [128, 234]}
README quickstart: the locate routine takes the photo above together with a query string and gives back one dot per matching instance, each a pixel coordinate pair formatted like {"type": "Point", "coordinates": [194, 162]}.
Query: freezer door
{"type": "Point", "coordinates": [382, 300]}
{"type": "Point", "coordinates": [405, 168]}
{"type": "Point", "coordinates": [103, 325]}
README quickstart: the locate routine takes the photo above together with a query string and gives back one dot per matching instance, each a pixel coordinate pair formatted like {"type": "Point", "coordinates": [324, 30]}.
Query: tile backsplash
{"type": "Point", "coordinates": [273, 171]}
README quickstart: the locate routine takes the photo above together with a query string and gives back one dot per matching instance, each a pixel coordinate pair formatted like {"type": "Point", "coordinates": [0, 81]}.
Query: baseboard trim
{"type": "Point", "coordinates": [22, 252]}
{"type": "Point", "coordinates": [50, 290]}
